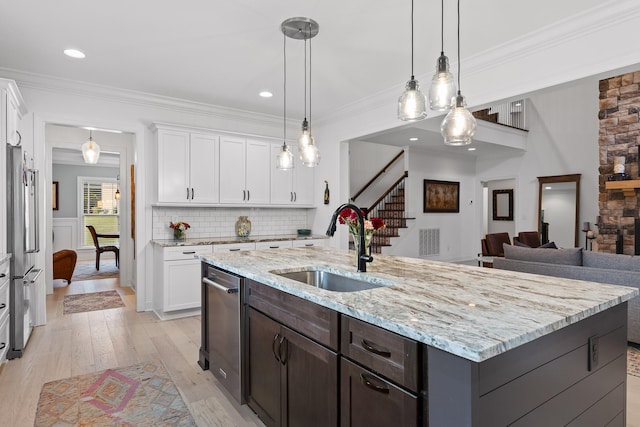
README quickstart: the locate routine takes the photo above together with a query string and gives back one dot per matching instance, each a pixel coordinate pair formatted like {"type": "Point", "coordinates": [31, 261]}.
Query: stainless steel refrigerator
{"type": "Point", "coordinates": [23, 243]}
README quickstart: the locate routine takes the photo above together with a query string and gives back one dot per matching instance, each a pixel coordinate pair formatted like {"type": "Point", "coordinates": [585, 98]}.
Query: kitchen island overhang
{"type": "Point", "coordinates": [498, 347]}
{"type": "Point", "coordinates": [472, 312]}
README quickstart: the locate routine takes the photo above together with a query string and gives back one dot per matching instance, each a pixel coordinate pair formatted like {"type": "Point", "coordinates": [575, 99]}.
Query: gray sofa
{"type": "Point", "coordinates": [581, 265]}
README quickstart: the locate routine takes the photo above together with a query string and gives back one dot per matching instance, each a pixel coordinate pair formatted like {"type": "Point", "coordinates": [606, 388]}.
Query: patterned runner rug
{"type": "Point", "coordinates": [92, 302]}
{"type": "Point", "coordinates": [138, 395]}
{"type": "Point", "coordinates": [86, 270]}
{"type": "Point", "coordinates": [633, 361]}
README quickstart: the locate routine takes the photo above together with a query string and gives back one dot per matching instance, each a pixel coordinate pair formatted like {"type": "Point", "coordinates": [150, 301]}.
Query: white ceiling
{"type": "Point", "coordinates": [225, 52]}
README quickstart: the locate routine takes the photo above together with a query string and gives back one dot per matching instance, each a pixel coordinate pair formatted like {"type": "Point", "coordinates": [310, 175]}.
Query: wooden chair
{"type": "Point", "coordinates": [64, 262]}
{"type": "Point", "coordinates": [100, 249]}
{"type": "Point", "coordinates": [495, 241]}
{"type": "Point", "coordinates": [529, 238]}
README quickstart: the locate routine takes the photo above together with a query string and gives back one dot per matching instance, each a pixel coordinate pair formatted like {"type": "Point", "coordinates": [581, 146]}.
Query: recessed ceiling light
{"type": "Point", "coordinates": [266, 94]}
{"type": "Point", "coordinates": [471, 148]}
{"type": "Point", "coordinates": [547, 188]}
{"type": "Point", "coordinates": [74, 53]}
{"type": "Point", "coordinates": [413, 139]}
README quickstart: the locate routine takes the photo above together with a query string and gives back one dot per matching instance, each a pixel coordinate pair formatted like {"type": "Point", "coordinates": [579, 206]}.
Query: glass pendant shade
{"type": "Point", "coordinates": [305, 139]}
{"type": "Point", "coordinates": [412, 104]}
{"type": "Point", "coordinates": [90, 151]}
{"type": "Point", "coordinates": [117, 195]}
{"type": "Point", "coordinates": [284, 159]}
{"type": "Point", "coordinates": [443, 86]}
{"type": "Point", "coordinates": [310, 156]}
{"type": "Point", "coordinates": [459, 125]}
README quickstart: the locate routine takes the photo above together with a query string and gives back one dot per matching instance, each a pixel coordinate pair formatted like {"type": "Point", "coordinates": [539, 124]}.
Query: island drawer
{"type": "Point", "coordinates": [369, 400]}
{"type": "Point", "coordinates": [382, 351]}
{"type": "Point", "coordinates": [176, 253]}
{"type": "Point", "coordinates": [310, 319]}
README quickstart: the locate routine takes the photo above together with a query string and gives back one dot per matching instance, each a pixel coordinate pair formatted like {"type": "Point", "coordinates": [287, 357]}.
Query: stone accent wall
{"type": "Point", "coordinates": [618, 136]}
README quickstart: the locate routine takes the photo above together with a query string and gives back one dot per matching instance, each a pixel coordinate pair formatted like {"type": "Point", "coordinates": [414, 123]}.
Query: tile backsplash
{"type": "Point", "coordinates": [221, 222]}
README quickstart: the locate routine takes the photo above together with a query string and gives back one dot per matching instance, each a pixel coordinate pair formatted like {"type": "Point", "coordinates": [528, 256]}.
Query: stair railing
{"type": "Point", "coordinates": [372, 180]}
{"type": "Point", "coordinates": [386, 198]}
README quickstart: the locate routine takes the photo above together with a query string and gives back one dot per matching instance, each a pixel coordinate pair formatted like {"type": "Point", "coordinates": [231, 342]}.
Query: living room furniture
{"type": "Point", "coordinates": [107, 248]}
{"type": "Point", "coordinates": [529, 238]}
{"type": "Point", "coordinates": [64, 262]}
{"type": "Point", "coordinates": [492, 247]}
{"type": "Point", "coordinates": [615, 269]}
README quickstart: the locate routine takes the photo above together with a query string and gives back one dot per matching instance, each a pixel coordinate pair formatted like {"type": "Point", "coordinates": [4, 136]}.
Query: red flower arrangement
{"type": "Point", "coordinates": [180, 225]}
{"type": "Point", "coordinates": [350, 218]}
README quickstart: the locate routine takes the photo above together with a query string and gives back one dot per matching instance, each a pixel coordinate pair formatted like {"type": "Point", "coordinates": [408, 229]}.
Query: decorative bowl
{"type": "Point", "coordinates": [304, 232]}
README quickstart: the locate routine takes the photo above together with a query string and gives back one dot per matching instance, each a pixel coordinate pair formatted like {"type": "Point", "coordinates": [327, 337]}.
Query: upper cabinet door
{"type": "Point", "coordinates": [232, 170]}
{"type": "Point", "coordinates": [303, 182]}
{"type": "Point", "coordinates": [258, 172]}
{"type": "Point", "coordinates": [173, 166]}
{"type": "Point", "coordinates": [204, 172]}
{"type": "Point", "coordinates": [281, 180]}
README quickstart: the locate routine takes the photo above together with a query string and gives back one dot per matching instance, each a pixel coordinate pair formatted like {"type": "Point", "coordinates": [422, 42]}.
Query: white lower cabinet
{"type": "Point", "coordinates": [178, 290]}
{"type": "Point", "coordinates": [234, 247]}
{"type": "Point", "coordinates": [309, 243]}
{"type": "Point", "coordinates": [274, 244]}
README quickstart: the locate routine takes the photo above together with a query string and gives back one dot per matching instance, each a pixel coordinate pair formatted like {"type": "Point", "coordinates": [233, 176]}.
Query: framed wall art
{"type": "Point", "coordinates": [441, 196]}
{"type": "Point", "coordinates": [503, 205]}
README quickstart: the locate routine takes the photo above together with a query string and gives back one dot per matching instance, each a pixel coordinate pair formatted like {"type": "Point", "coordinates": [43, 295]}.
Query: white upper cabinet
{"type": "Point", "coordinates": [291, 187]}
{"type": "Point", "coordinates": [187, 167]}
{"type": "Point", "coordinates": [244, 171]}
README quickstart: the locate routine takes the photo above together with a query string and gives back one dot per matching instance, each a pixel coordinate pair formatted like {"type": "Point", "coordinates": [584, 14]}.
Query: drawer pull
{"type": "Point", "coordinates": [283, 348]}
{"type": "Point", "coordinates": [3, 345]}
{"type": "Point", "coordinates": [2, 275]}
{"type": "Point", "coordinates": [274, 247]}
{"type": "Point", "coordinates": [3, 305]}
{"type": "Point", "coordinates": [234, 250]}
{"type": "Point", "coordinates": [367, 381]}
{"type": "Point", "coordinates": [188, 252]}
{"type": "Point", "coordinates": [273, 347]}
{"type": "Point", "coordinates": [370, 348]}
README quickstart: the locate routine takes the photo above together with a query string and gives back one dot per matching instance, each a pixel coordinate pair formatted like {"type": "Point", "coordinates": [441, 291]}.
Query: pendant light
{"type": "Point", "coordinates": [412, 104]}
{"type": "Point", "coordinates": [90, 151]}
{"type": "Point", "coordinates": [443, 87]}
{"type": "Point", "coordinates": [305, 29]}
{"type": "Point", "coordinates": [284, 159]}
{"type": "Point", "coordinates": [459, 125]}
{"type": "Point", "coordinates": [117, 195]}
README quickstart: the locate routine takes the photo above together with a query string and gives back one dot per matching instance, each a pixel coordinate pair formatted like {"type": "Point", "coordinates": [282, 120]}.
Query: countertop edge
{"type": "Point", "coordinates": [446, 344]}
{"type": "Point", "coordinates": [167, 243]}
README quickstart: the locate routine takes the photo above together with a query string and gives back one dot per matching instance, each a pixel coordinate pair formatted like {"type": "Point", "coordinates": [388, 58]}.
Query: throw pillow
{"type": "Point", "coordinates": [517, 242]}
{"type": "Point", "coordinates": [611, 261]}
{"type": "Point", "coordinates": [549, 245]}
{"type": "Point", "coordinates": [571, 256]}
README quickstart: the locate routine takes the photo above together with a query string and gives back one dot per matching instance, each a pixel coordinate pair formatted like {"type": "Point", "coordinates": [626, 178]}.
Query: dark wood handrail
{"type": "Point", "coordinates": [389, 190]}
{"type": "Point", "coordinates": [383, 170]}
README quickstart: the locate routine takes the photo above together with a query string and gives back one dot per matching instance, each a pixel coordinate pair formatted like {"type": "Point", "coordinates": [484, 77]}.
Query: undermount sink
{"type": "Point", "coordinates": [332, 281]}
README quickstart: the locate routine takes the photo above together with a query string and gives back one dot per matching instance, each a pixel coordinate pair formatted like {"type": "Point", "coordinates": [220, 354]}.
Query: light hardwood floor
{"type": "Point", "coordinates": [81, 343]}
{"type": "Point", "coordinates": [76, 344]}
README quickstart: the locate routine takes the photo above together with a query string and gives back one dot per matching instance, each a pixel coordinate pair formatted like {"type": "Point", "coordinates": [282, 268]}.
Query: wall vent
{"type": "Point", "coordinates": [430, 242]}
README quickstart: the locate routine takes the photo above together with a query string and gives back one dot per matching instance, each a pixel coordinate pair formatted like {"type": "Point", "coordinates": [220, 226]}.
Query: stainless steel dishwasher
{"type": "Point", "coordinates": [222, 323]}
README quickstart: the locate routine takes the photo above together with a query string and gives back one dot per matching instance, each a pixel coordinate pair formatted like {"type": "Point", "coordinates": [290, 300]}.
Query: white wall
{"type": "Point", "coordinates": [563, 139]}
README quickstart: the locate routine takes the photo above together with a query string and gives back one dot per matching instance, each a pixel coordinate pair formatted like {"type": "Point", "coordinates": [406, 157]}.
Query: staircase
{"type": "Point", "coordinates": [392, 213]}
{"type": "Point", "coordinates": [390, 206]}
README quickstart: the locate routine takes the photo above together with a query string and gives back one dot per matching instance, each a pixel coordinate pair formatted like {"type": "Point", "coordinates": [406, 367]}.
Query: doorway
{"type": "Point", "coordinates": [86, 193]}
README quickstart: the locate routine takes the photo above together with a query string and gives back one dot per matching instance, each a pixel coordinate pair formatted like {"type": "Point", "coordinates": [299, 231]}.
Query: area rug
{"type": "Point", "coordinates": [633, 361]}
{"type": "Point", "coordinates": [138, 395]}
{"type": "Point", "coordinates": [86, 270]}
{"type": "Point", "coordinates": [91, 302]}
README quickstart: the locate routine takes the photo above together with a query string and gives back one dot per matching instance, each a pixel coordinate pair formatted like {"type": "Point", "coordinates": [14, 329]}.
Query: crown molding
{"type": "Point", "coordinates": [59, 85]}
{"type": "Point", "coordinates": [551, 41]}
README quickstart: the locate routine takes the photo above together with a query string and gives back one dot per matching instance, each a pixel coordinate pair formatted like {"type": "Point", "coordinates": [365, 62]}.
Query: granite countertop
{"type": "Point", "coordinates": [472, 312]}
{"type": "Point", "coordinates": [232, 239]}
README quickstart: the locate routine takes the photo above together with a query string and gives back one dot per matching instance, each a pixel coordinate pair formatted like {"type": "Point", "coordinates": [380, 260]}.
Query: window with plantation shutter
{"type": "Point", "coordinates": [99, 208]}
